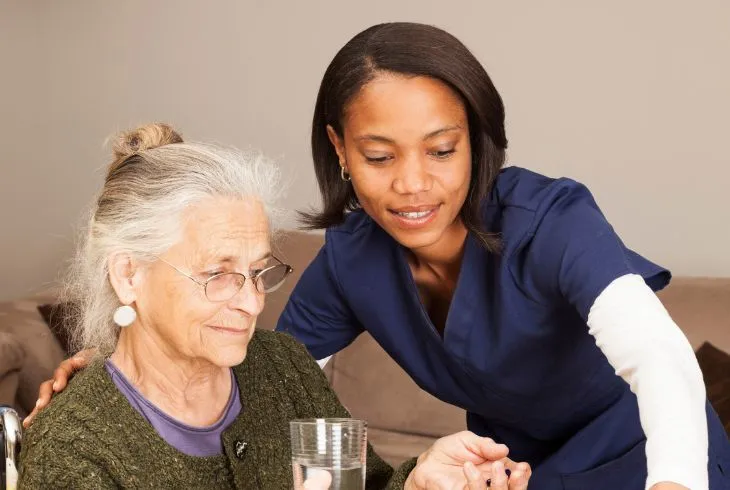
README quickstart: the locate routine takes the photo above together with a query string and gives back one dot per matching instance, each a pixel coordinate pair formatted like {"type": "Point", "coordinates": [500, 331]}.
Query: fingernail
{"type": "Point", "coordinates": [38, 402]}
{"type": "Point", "coordinates": [55, 385]}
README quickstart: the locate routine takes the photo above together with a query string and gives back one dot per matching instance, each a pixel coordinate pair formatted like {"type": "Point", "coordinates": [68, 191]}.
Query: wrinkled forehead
{"type": "Point", "coordinates": [228, 230]}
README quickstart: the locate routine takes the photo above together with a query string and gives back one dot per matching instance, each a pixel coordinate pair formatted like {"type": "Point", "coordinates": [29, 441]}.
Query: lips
{"type": "Point", "coordinates": [421, 208]}
{"type": "Point", "coordinates": [414, 216]}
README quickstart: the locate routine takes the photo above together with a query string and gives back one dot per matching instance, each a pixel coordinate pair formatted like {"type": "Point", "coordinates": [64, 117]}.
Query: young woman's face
{"type": "Point", "coordinates": [405, 144]}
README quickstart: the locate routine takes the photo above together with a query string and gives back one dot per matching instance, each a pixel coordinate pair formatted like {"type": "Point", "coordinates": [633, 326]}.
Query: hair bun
{"type": "Point", "coordinates": [144, 138]}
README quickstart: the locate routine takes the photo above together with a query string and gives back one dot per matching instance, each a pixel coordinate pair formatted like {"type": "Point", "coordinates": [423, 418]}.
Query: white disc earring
{"type": "Point", "coordinates": [124, 316]}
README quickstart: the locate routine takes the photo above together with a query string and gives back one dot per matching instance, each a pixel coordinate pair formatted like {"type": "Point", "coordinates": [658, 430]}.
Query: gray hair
{"type": "Point", "coordinates": [155, 176]}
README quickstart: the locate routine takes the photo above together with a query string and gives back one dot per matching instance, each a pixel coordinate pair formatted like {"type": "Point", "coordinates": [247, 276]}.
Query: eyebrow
{"type": "Point", "coordinates": [446, 129]}
{"type": "Point", "coordinates": [384, 139]}
{"type": "Point", "coordinates": [267, 255]}
{"type": "Point", "coordinates": [229, 259]}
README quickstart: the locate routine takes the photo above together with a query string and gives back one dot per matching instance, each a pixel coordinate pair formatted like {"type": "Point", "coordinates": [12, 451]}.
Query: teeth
{"type": "Point", "coordinates": [414, 215]}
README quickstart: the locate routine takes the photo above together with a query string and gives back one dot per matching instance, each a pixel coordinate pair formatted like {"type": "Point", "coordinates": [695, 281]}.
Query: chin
{"type": "Point", "coordinates": [416, 239]}
{"type": "Point", "coordinates": [225, 348]}
{"type": "Point", "coordinates": [229, 357]}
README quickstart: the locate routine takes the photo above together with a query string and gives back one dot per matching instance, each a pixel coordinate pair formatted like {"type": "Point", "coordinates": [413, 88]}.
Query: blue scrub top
{"type": "Point", "coordinates": [515, 353]}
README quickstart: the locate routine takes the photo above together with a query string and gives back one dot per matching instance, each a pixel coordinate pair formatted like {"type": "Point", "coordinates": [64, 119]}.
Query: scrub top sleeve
{"type": "Point", "coordinates": [574, 253]}
{"type": "Point", "coordinates": [317, 314]}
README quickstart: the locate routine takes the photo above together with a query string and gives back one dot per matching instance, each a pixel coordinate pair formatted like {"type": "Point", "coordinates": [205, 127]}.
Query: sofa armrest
{"type": "Point", "coordinates": [12, 357]}
{"type": "Point", "coordinates": [42, 352]}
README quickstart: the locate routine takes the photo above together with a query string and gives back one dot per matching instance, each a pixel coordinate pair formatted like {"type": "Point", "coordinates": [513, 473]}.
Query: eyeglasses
{"type": "Point", "coordinates": [222, 287]}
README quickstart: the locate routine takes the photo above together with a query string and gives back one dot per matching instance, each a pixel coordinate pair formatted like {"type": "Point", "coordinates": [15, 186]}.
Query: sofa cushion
{"type": "Point", "coordinates": [373, 387]}
{"type": "Point", "coordinates": [12, 353]}
{"type": "Point", "coordinates": [397, 447]}
{"type": "Point", "coordinates": [56, 316]}
{"type": "Point", "coordinates": [701, 308]}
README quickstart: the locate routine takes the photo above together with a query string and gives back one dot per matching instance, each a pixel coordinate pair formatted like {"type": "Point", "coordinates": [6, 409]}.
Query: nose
{"type": "Point", "coordinates": [248, 300]}
{"type": "Point", "coordinates": [412, 176]}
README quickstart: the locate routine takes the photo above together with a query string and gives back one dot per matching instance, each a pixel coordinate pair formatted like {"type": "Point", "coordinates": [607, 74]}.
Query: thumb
{"type": "Point", "coordinates": [479, 448]}
{"type": "Point", "coordinates": [490, 450]}
{"type": "Point", "coordinates": [317, 480]}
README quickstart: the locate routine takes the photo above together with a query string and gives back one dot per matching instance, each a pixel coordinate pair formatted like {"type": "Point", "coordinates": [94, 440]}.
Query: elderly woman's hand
{"type": "Point", "coordinates": [465, 461]}
{"type": "Point", "coordinates": [58, 383]}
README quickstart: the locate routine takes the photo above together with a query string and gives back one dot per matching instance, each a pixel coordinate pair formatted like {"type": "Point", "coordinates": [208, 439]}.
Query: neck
{"type": "Point", "coordinates": [443, 257]}
{"type": "Point", "coordinates": [191, 390]}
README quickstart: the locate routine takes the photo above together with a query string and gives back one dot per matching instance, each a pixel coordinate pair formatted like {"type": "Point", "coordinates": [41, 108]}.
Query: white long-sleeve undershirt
{"type": "Point", "coordinates": [649, 351]}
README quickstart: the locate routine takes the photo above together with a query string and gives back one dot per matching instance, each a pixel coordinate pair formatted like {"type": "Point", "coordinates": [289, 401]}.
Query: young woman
{"type": "Point", "coordinates": [501, 291]}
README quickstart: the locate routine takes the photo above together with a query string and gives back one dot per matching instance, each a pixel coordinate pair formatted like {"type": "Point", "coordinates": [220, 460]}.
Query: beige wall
{"type": "Point", "coordinates": [34, 213]}
{"type": "Point", "coordinates": [630, 97]}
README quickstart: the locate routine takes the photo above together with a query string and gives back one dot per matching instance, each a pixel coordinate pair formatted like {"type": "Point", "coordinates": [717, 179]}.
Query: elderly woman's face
{"type": "Point", "coordinates": [219, 235]}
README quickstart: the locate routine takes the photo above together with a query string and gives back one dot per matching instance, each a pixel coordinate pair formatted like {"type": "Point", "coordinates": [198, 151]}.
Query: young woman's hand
{"type": "Point", "coordinates": [466, 461]}
{"type": "Point", "coordinates": [57, 384]}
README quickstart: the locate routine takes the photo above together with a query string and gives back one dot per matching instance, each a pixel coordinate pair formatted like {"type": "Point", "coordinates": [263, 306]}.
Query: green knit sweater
{"type": "Point", "coordinates": [91, 437]}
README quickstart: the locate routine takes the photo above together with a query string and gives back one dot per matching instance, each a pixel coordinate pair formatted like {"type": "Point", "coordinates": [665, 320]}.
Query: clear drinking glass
{"type": "Point", "coordinates": [337, 446]}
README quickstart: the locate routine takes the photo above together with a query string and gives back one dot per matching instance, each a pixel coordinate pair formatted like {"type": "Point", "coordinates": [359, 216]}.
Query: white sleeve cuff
{"type": "Point", "coordinates": [323, 362]}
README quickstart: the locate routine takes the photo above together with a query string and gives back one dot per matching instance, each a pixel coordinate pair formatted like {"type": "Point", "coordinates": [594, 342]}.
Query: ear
{"type": "Point", "coordinates": [125, 276]}
{"type": "Point", "coordinates": [338, 144]}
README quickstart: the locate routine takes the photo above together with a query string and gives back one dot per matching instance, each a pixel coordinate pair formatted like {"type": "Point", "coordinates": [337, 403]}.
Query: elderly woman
{"type": "Point", "coordinates": [185, 392]}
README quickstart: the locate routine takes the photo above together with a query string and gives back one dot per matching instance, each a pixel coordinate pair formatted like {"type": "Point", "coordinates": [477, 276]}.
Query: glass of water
{"type": "Point", "coordinates": [329, 450]}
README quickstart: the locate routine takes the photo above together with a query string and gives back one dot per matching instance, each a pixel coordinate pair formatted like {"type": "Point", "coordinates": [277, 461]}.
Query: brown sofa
{"type": "Point", "coordinates": [402, 419]}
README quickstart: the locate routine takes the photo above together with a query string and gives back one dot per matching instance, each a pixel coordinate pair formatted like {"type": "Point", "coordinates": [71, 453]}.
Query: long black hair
{"type": "Point", "coordinates": [410, 49]}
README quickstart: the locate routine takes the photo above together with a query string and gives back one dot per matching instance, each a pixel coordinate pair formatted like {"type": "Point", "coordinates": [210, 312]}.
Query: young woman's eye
{"type": "Point", "coordinates": [443, 154]}
{"type": "Point", "coordinates": [377, 159]}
